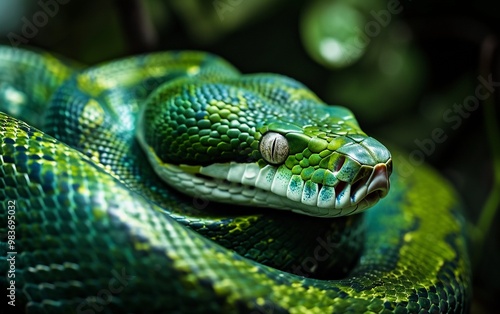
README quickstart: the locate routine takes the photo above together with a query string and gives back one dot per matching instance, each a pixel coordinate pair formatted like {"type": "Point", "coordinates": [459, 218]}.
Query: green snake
{"type": "Point", "coordinates": [171, 183]}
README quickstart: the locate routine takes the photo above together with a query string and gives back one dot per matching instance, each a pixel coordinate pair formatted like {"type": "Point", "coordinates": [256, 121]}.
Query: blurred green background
{"type": "Point", "coordinates": [408, 70]}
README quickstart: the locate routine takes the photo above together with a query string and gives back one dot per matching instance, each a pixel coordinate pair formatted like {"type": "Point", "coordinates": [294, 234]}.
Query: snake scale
{"type": "Point", "coordinates": [171, 183]}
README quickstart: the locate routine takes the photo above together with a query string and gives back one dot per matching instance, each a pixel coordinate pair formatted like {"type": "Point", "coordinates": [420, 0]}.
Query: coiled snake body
{"type": "Point", "coordinates": [137, 153]}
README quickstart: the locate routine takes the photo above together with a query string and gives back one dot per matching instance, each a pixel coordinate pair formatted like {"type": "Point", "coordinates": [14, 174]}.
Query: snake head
{"type": "Point", "coordinates": [326, 172]}
{"type": "Point", "coordinates": [266, 141]}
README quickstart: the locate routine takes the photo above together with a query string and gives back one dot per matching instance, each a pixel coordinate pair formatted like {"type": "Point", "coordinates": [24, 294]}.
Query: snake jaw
{"type": "Point", "coordinates": [250, 185]}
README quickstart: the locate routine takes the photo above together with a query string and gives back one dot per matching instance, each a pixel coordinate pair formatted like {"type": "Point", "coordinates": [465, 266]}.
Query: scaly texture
{"type": "Point", "coordinates": [98, 231]}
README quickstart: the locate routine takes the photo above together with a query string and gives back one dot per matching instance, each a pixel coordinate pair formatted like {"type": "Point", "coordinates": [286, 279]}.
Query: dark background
{"type": "Point", "coordinates": [425, 60]}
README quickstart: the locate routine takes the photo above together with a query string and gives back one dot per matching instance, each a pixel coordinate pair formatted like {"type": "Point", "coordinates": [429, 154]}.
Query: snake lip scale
{"type": "Point", "coordinates": [217, 183]}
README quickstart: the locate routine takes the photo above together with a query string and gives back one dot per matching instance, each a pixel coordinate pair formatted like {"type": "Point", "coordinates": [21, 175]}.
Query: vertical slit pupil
{"type": "Point", "coordinates": [273, 150]}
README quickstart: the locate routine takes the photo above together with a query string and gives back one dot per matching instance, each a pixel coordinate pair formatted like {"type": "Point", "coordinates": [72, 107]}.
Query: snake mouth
{"type": "Point", "coordinates": [350, 198]}
{"type": "Point", "coordinates": [247, 184]}
{"type": "Point", "coordinates": [367, 191]}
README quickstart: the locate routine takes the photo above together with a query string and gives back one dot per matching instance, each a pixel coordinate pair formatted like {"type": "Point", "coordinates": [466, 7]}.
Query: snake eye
{"type": "Point", "coordinates": [274, 148]}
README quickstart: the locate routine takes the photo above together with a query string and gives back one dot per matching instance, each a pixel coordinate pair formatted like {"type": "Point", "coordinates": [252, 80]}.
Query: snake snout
{"type": "Point", "coordinates": [379, 180]}
{"type": "Point", "coordinates": [371, 185]}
